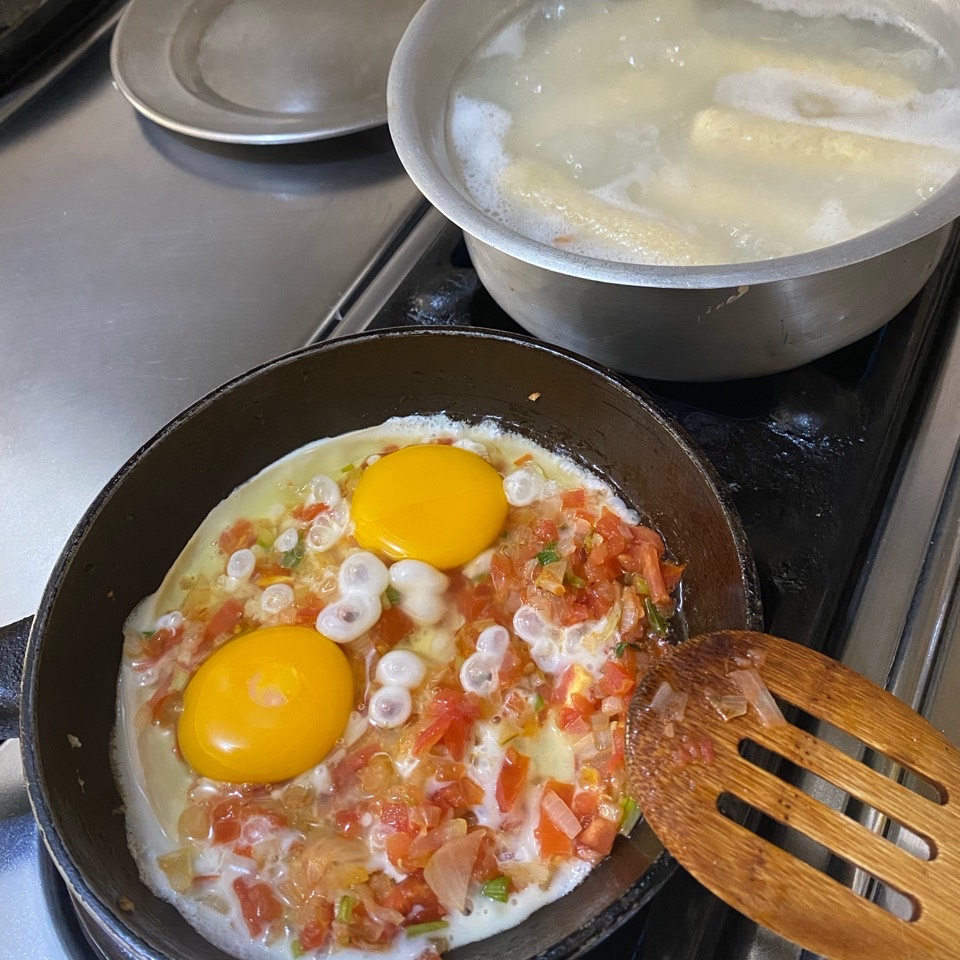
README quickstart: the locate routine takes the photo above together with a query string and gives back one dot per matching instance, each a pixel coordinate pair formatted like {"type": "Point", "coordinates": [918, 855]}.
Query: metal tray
{"type": "Point", "coordinates": [259, 71]}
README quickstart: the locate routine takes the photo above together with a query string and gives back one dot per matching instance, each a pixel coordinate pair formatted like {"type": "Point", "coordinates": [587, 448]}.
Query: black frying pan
{"type": "Point", "coordinates": [139, 523]}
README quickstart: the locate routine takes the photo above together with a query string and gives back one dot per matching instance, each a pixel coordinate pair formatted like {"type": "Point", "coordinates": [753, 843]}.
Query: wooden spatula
{"type": "Point", "coordinates": [683, 756]}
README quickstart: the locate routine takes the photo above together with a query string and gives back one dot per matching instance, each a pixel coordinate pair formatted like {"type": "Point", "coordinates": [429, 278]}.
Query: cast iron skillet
{"type": "Point", "coordinates": [143, 517]}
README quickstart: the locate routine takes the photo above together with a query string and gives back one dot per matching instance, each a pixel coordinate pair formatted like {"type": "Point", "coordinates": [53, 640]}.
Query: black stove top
{"type": "Point", "coordinates": [808, 456]}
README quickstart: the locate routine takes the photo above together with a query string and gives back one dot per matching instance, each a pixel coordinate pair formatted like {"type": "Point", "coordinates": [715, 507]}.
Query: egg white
{"type": "Point", "coordinates": [154, 781]}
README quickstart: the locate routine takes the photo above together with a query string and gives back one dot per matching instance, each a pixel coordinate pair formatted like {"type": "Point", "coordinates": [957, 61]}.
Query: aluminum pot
{"type": "Point", "coordinates": [662, 322]}
{"type": "Point", "coordinates": [138, 524]}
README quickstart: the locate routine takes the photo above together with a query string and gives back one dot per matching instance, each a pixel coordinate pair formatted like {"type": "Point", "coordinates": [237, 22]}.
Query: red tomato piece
{"type": "Point", "coordinates": [258, 904]}
{"type": "Point", "coordinates": [238, 536]}
{"type": "Point", "coordinates": [391, 628]}
{"type": "Point", "coordinates": [512, 778]}
{"type": "Point", "coordinates": [615, 681]}
{"type": "Point", "coordinates": [650, 571]}
{"type": "Point", "coordinates": [545, 531]}
{"type": "Point", "coordinates": [598, 835]}
{"type": "Point", "coordinates": [227, 618]}
{"type": "Point", "coordinates": [458, 794]}
{"type": "Point", "coordinates": [315, 934]}
{"type": "Point", "coordinates": [551, 840]}
{"type": "Point", "coordinates": [396, 815]}
{"type": "Point", "coordinates": [308, 513]}
{"type": "Point", "coordinates": [573, 498]}
{"type": "Point", "coordinates": [413, 898]}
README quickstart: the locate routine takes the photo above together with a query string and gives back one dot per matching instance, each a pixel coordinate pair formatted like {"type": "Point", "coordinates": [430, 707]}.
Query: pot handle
{"type": "Point", "coordinates": [13, 648]}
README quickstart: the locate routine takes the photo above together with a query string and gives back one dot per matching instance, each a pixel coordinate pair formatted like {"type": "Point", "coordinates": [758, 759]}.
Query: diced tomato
{"type": "Point", "coordinates": [415, 900]}
{"type": "Point", "coordinates": [552, 841]}
{"type": "Point", "coordinates": [396, 815]}
{"type": "Point", "coordinates": [512, 778]}
{"type": "Point", "coordinates": [225, 620]}
{"type": "Point", "coordinates": [455, 713]}
{"type": "Point", "coordinates": [307, 513]}
{"type": "Point", "coordinates": [309, 609]}
{"type": "Point", "coordinates": [650, 571]}
{"type": "Point", "coordinates": [545, 531]}
{"type": "Point", "coordinates": [344, 771]}
{"type": "Point", "coordinates": [611, 528]}
{"type": "Point", "coordinates": [573, 498]}
{"type": "Point", "coordinates": [577, 708]}
{"type": "Point", "coordinates": [671, 572]}
{"type": "Point", "coordinates": [616, 756]}
{"type": "Point", "coordinates": [348, 823]}
{"type": "Point", "coordinates": [158, 643]}
{"type": "Point", "coordinates": [511, 669]}
{"type": "Point", "coordinates": [315, 934]}
{"type": "Point", "coordinates": [486, 866]}
{"type": "Point", "coordinates": [397, 846]}
{"type": "Point", "coordinates": [225, 817]}
{"type": "Point", "coordinates": [238, 536]}
{"type": "Point", "coordinates": [601, 595]}
{"type": "Point", "coordinates": [501, 572]}
{"type": "Point", "coordinates": [258, 904]}
{"type": "Point", "coordinates": [642, 534]}
{"type": "Point", "coordinates": [458, 794]}
{"type": "Point", "coordinates": [598, 835]}
{"type": "Point", "coordinates": [615, 681]}
{"type": "Point", "coordinates": [585, 804]}
{"type": "Point", "coordinates": [391, 628]}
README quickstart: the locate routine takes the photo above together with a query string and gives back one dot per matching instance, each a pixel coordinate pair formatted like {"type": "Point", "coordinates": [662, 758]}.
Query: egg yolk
{"type": "Point", "coordinates": [433, 502]}
{"type": "Point", "coordinates": [266, 706]}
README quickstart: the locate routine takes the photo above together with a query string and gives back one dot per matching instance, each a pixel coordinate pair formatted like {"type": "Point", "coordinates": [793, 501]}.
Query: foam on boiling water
{"type": "Point", "coordinates": [618, 104]}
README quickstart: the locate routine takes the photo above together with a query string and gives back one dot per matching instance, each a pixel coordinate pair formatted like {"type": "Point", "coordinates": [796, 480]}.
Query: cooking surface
{"type": "Point", "coordinates": [141, 268]}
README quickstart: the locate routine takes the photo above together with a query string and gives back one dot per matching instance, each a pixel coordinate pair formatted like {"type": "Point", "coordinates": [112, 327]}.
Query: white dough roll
{"type": "Point", "coordinates": [540, 191]}
{"type": "Point", "coordinates": [740, 136]}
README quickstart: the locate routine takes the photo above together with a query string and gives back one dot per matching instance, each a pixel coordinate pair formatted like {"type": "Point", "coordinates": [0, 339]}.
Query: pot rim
{"type": "Point", "coordinates": [410, 69]}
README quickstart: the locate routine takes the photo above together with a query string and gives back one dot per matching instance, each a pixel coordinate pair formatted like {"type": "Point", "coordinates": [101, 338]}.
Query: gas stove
{"type": "Point", "coordinates": [844, 473]}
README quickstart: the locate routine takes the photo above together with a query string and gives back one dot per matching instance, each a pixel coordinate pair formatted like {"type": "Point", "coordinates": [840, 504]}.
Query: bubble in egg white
{"type": "Point", "coordinates": [241, 564]}
{"type": "Point", "coordinates": [417, 576]}
{"type": "Point", "coordinates": [276, 597]}
{"type": "Point", "coordinates": [287, 540]}
{"type": "Point", "coordinates": [348, 618]}
{"type": "Point", "coordinates": [363, 572]}
{"type": "Point", "coordinates": [402, 667]}
{"type": "Point", "coordinates": [170, 621]}
{"type": "Point", "coordinates": [478, 674]}
{"type": "Point", "coordinates": [494, 641]}
{"type": "Point", "coordinates": [524, 486]}
{"type": "Point", "coordinates": [325, 490]}
{"type": "Point", "coordinates": [390, 706]}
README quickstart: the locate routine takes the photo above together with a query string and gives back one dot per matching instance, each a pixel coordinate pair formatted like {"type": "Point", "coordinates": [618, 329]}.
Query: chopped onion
{"type": "Point", "coordinates": [610, 706]}
{"type": "Point", "coordinates": [448, 871]}
{"type": "Point", "coordinates": [390, 706]}
{"type": "Point", "coordinates": [668, 703]}
{"type": "Point", "coordinates": [751, 685]}
{"type": "Point", "coordinates": [559, 814]}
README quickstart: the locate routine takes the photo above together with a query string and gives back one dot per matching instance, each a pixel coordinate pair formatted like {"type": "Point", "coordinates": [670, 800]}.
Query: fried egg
{"type": "Point", "coordinates": [378, 701]}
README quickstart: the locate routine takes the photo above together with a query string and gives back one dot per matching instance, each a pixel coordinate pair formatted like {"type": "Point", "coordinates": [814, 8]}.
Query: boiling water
{"type": "Point", "coordinates": [704, 131]}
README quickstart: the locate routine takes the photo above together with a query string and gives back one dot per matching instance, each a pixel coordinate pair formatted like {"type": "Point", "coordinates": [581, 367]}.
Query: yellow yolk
{"type": "Point", "coordinates": [266, 706]}
{"type": "Point", "coordinates": [433, 502]}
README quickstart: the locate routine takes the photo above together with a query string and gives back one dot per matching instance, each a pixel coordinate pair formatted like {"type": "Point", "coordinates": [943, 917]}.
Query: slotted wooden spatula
{"type": "Point", "coordinates": [682, 756]}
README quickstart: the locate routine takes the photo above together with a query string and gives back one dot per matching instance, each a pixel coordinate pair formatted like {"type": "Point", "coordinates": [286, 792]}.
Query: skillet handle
{"type": "Point", "coordinates": [13, 648]}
